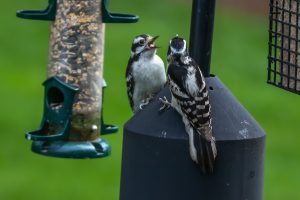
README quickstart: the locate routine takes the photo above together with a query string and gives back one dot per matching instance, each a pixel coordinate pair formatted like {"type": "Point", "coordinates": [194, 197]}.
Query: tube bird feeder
{"type": "Point", "coordinates": [71, 125]}
{"type": "Point", "coordinates": [156, 162]}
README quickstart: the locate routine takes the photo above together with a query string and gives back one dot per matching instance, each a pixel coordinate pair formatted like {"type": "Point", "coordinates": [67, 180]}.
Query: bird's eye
{"type": "Point", "coordinates": [142, 42]}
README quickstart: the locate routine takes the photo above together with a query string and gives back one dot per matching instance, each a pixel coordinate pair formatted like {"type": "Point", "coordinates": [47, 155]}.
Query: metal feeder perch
{"type": "Point", "coordinates": [156, 162]}
{"type": "Point", "coordinates": [73, 121]}
{"type": "Point", "coordinates": [106, 128]}
{"type": "Point", "coordinates": [284, 46]}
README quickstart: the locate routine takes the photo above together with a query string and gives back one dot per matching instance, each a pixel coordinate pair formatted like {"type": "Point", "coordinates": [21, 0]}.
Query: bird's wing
{"type": "Point", "coordinates": [175, 78]}
{"type": "Point", "coordinates": [199, 112]}
{"type": "Point", "coordinates": [130, 83]}
{"type": "Point", "coordinates": [199, 77]}
{"type": "Point", "coordinates": [190, 105]}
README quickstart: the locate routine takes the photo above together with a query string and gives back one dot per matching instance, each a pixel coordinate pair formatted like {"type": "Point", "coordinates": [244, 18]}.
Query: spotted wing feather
{"type": "Point", "coordinates": [130, 83]}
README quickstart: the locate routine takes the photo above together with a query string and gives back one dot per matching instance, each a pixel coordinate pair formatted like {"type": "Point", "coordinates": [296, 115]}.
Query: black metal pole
{"type": "Point", "coordinates": [201, 34]}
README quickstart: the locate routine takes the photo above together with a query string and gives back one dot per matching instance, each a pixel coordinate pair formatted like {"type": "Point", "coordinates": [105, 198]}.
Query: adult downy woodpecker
{"type": "Point", "coordinates": [145, 73]}
{"type": "Point", "coordinates": [190, 99]}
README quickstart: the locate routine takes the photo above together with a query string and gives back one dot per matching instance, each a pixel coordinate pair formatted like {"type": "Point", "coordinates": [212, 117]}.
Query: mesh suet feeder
{"type": "Point", "coordinates": [72, 122]}
{"type": "Point", "coordinates": [156, 162]}
{"type": "Point", "coordinates": [284, 45]}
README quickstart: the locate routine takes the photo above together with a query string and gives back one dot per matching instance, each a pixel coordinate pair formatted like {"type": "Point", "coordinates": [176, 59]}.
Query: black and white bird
{"type": "Point", "coordinates": [190, 99]}
{"type": "Point", "coordinates": [145, 73]}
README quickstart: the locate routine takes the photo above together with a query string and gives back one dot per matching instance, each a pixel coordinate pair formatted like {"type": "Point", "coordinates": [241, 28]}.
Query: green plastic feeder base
{"type": "Point", "coordinates": [65, 149]}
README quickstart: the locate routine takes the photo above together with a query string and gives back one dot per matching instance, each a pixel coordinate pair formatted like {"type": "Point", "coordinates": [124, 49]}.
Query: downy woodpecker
{"type": "Point", "coordinates": [145, 73]}
{"type": "Point", "coordinates": [190, 99]}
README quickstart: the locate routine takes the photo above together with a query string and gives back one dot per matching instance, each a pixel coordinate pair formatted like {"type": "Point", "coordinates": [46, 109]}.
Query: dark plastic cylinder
{"type": "Point", "coordinates": [156, 163]}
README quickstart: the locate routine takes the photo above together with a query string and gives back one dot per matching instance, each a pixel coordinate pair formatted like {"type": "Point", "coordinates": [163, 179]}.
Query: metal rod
{"type": "Point", "coordinates": [201, 34]}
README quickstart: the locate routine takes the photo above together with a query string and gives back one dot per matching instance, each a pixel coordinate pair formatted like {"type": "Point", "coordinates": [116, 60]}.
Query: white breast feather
{"type": "Point", "coordinates": [191, 82]}
{"type": "Point", "coordinates": [149, 76]}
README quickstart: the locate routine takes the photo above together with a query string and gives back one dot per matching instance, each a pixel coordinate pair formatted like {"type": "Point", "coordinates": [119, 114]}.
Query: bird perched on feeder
{"type": "Point", "coordinates": [190, 99]}
{"type": "Point", "coordinates": [145, 73]}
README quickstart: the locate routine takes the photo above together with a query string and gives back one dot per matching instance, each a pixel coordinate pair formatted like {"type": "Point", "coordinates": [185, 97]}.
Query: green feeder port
{"type": "Point", "coordinates": [53, 138]}
{"type": "Point", "coordinates": [73, 122]}
{"type": "Point", "coordinates": [58, 102]}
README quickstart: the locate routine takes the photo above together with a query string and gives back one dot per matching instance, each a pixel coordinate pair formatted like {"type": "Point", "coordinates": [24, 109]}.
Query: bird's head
{"type": "Point", "coordinates": [144, 44]}
{"type": "Point", "coordinates": [177, 48]}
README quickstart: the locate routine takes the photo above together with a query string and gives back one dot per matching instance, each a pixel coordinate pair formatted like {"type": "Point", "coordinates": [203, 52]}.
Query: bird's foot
{"type": "Point", "coordinates": [145, 102]}
{"type": "Point", "coordinates": [165, 102]}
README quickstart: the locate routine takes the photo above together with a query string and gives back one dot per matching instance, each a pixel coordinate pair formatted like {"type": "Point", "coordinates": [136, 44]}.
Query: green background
{"type": "Point", "coordinates": [239, 59]}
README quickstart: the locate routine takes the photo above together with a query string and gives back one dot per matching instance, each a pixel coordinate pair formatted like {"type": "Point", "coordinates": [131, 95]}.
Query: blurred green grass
{"type": "Point", "coordinates": [239, 59]}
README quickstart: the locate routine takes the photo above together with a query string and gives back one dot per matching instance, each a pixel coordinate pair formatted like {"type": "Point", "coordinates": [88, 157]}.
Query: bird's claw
{"type": "Point", "coordinates": [144, 103]}
{"type": "Point", "coordinates": [165, 102]}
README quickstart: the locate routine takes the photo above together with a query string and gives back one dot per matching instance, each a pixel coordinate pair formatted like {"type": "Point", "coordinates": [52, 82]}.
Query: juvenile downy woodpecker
{"type": "Point", "coordinates": [190, 99]}
{"type": "Point", "coordinates": [145, 73]}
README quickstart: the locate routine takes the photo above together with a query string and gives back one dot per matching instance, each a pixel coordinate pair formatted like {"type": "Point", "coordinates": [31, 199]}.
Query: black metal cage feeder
{"type": "Point", "coordinates": [284, 45]}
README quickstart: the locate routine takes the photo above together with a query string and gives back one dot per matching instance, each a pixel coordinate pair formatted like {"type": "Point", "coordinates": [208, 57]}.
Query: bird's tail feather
{"type": "Point", "coordinates": [206, 152]}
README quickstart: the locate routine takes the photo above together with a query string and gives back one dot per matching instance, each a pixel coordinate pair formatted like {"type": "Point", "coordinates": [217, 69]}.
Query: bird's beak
{"type": "Point", "coordinates": [151, 43]}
